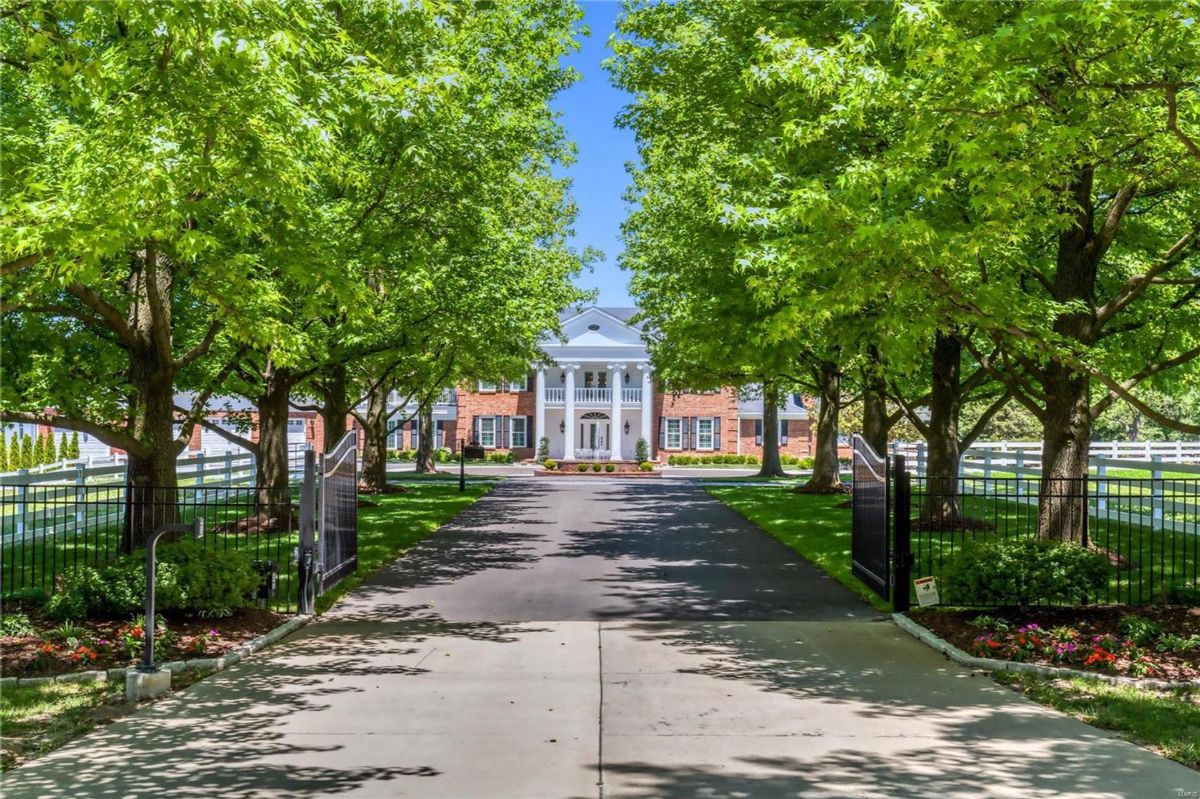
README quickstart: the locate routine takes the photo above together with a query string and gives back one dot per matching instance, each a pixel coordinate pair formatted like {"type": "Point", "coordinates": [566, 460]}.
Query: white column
{"type": "Point", "coordinates": [569, 412]}
{"type": "Point", "coordinates": [647, 406]}
{"type": "Point", "coordinates": [615, 373]}
{"type": "Point", "coordinates": [539, 407]}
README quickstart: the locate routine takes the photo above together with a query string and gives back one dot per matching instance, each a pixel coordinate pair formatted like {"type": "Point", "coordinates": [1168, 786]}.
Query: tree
{"type": "Point", "coordinates": [26, 460]}
{"type": "Point", "coordinates": [74, 444]}
{"type": "Point", "coordinates": [166, 156]}
{"type": "Point", "coordinates": [64, 448]}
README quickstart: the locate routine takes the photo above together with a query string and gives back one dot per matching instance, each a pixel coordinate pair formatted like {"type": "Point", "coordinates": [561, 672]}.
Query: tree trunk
{"type": "Point", "coordinates": [941, 506]}
{"type": "Point", "coordinates": [771, 464]}
{"type": "Point", "coordinates": [876, 425]}
{"type": "Point", "coordinates": [425, 462]}
{"type": "Point", "coordinates": [374, 471]}
{"type": "Point", "coordinates": [335, 407]}
{"type": "Point", "coordinates": [826, 477]}
{"type": "Point", "coordinates": [271, 465]}
{"type": "Point", "coordinates": [151, 477]}
{"type": "Point", "coordinates": [1066, 438]}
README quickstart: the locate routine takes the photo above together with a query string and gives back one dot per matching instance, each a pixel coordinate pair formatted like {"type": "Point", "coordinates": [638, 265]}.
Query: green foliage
{"type": "Point", "coordinates": [642, 450]}
{"type": "Point", "coordinates": [212, 582]}
{"type": "Point", "coordinates": [500, 457]}
{"type": "Point", "coordinates": [646, 466]}
{"type": "Point", "coordinates": [1021, 572]}
{"type": "Point", "coordinates": [27, 459]}
{"type": "Point", "coordinates": [608, 467]}
{"type": "Point", "coordinates": [1139, 629]}
{"type": "Point", "coordinates": [581, 467]}
{"type": "Point", "coordinates": [74, 444]}
{"type": "Point", "coordinates": [16, 625]}
{"type": "Point", "coordinates": [550, 464]}
{"type": "Point", "coordinates": [595, 467]}
{"type": "Point", "coordinates": [1179, 644]}
{"type": "Point", "coordinates": [543, 450]}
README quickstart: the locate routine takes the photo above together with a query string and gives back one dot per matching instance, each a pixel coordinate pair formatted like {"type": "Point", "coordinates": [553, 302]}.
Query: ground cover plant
{"type": "Point", "coordinates": [1158, 641]}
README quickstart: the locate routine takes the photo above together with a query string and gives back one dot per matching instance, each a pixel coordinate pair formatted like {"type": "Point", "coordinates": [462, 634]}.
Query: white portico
{"type": "Point", "coordinates": [597, 399]}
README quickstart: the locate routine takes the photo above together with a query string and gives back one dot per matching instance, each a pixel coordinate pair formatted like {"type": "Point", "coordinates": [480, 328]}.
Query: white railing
{"type": "Point", "coordinates": [1146, 456]}
{"type": "Point", "coordinates": [556, 395]}
{"type": "Point", "coordinates": [631, 396]}
{"type": "Point", "coordinates": [593, 396]}
{"type": "Point", "coordinates": [192, 468]}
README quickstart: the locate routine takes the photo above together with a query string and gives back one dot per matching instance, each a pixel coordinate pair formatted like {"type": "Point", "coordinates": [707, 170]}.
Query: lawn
{"type": "Point", "coordinates": [811, 524]}
{"type": "Point", "coordinates": [1166, 721]}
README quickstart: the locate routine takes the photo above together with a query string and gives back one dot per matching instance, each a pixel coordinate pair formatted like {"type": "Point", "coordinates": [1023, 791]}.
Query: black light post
{"type": "Point", "coordinates": [197, 528]}
{"type": "Point", "coordinates": [462, 465]}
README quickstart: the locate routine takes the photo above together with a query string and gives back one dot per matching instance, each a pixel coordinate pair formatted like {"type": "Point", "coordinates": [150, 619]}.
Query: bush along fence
{"type": "Point", "coordinates": [997, 540]}
{"type": "Point", "coordinates": [77, 548]}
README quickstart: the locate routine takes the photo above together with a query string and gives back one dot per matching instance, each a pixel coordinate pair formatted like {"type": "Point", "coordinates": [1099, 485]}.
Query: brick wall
{"type": "Point", "coordinates": [471, 403]}
{"type": "Point", "coordinates": [722, 404]}
{"type": "Point", "coordinates": [801, 438]}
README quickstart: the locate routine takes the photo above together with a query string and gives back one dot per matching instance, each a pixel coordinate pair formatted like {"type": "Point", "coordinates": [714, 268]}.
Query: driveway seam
{"type": "Point", "coordinates": [600, 710]}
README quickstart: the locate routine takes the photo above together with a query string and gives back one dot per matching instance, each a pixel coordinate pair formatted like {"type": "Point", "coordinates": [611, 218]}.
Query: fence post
{"type": "Point", "coordinates": [200, 468]}
{"type": "Point", "coordinates": [920, 458]}
{"type": "Point", "coordinates": [22, 488]}
{"type": "Point", "coordinates": [987, 469]}
{"type": "Point", "coordinates": [304, 552]}
{"type": "Point", "coordinates": [79, 495]}
{"type": "Point", "coordinates": [1101, 488]}
{"type": "Point", "coordinates": [228, 468]}
{"type": "Point", "coordinates": [902, 560]}
{"type": "Point", "coordinates": [1019, 471]}
{"type": "Point", "coordinates": [1156, 493]}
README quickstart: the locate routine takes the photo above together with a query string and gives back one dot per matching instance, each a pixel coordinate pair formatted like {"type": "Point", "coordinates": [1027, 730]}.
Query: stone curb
{"type": "Point", "coordinates": [948, 649]}
{"type": "Point", "coordinates": [199, 664]}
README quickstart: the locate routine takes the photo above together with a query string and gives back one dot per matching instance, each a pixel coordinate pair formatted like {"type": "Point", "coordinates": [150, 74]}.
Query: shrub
{"type": "Point", "coordinates": [595, 467]}
{"type": "Point", "coordinates": [550, 464]}
{"type": "Point", "coordinates": [543, 450]}
{"type": "Point", "coordinates": [16, 625]}
{"type": "Point", "coordinates": [752, 460]}
{"type": "Point", "coordinates": [582, 467]}
{"type": "Point", "coordinates": [806, 462]}
{"type": "Point", "coordinates": [1021, 572]}
{"type": "Point", "coordinates": [646, 466]}
{"type": "Point", "coordinates": [641, 450]}
{"type": "Point", "coordinates": [442, 455]}
{"type": "Point", "coordinates": [608, 467]}
{"type": "Point", "coordinates": [212, 582]}
{"type": "Point", "coordinates": [500, 457]}
{"type": "Point", "coordinates": [673, 460]}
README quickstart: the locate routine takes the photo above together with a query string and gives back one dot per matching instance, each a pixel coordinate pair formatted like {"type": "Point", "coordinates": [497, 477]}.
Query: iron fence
{"type": "Point", "coordinates": [47, 531]}
{"type": "Point", "coordinates": [1149, 528]}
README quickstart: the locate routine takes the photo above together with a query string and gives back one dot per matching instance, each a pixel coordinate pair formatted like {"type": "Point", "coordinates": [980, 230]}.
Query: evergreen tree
{"type": "Point", "coordinates": [64, 448]}
{"type": "Point", "coordinates": [51, 453]}
{"type": "Point", "coordinates": [75, 445]}
{"type": "Point", "coordinates": [26, 452]}
{"type": "Point", "coordinates": [14, 452]}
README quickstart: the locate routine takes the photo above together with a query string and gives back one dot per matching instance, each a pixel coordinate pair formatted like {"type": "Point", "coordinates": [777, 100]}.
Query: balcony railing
{"type": "Point", "coordinates": [593, 396]}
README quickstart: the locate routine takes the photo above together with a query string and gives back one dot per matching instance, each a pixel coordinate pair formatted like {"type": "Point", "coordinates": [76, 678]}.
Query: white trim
{"type": "Point", "coordinates": [479, 386]}
{"type": "Point", "coordinates": [678, 445]}
{"type": "Point", "coordinates": [602, 312]}
{"type": "Point", "coordinates": [512, 440]}
{"type": "Point", "coordinates": [483, 435]}
{"type": "Point", "coordinates": [700, 420]}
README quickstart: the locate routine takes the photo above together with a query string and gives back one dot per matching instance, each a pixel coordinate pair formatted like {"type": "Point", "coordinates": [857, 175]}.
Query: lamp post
{"type": "Point", "coordinates": [197, 530]}
{"type": "Point", "coordinates": [462, 465]}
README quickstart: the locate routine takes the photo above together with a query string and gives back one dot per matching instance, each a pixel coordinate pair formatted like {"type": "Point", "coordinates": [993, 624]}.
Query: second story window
{"type": "Point", "coordinates": [486, 387]}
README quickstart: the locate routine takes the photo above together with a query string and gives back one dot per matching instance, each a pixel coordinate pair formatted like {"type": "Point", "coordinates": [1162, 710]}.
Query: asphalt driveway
{"type": "Point", "coordinates": [599, 639]}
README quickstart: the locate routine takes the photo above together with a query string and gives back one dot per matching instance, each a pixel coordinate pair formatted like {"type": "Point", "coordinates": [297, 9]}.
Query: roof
{"type": "Point", "coordinates": [794, 408]}
{"type": "Point", "coordinates": [622, 313]}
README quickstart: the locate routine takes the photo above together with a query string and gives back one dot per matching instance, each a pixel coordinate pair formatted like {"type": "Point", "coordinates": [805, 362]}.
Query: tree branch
{"type": "Point", "coordinates": [201, 348]}
{"type": "Point", "coordinates": [1173, 124]}
{"type": "Point", "coordinates": [228, 435]}
{"type": "Point", "coordinates": [112, 317]}
{"type": "Point", "coordinates": [982, 422]}
{"type": "Point", "coordinates": [109, 435]}
{"type": "Point", "coordinates": [1135, 286]}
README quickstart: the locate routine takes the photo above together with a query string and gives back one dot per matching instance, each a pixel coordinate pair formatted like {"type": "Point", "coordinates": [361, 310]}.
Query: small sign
{"type": "Point", "coordinates": [927, 593]}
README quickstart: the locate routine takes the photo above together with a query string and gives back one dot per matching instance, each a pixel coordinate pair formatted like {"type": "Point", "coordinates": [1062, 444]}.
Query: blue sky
{"type": "Point", "coordinates": [588, 111]}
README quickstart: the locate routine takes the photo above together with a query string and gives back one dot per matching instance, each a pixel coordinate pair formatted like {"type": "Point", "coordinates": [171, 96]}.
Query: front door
{"type": "Point", "coordinates": [594, 433]}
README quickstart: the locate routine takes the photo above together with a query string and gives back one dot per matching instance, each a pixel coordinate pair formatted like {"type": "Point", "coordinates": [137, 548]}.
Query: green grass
{"type": "Point", "coordinates": [399, 521]}
{"type": "Point", "coordinates": [37, 719]}
{"type": "Point", "coordinates": [1166, 721]}
{"type": "Point", "coordinates": [808, 523]}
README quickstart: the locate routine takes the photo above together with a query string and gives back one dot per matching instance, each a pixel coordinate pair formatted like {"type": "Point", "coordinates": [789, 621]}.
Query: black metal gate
{"type": "Point", "coordinates": [337, 531]}
{"type": "Point", "coordinates": [870, 543]}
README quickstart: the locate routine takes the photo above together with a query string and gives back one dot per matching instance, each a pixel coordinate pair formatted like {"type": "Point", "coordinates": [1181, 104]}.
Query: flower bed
{"type": "Point", "coordinates": [1161, 642]}
{"type": "Point", "coordinates": [53, 648]}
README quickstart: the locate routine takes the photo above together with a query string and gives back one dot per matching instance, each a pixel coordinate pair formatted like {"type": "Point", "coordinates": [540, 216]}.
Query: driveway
{"type": "Point", "coordinates": [599, 639]}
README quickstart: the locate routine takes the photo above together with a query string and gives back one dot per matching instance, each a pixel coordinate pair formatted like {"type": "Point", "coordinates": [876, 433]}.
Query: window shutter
{"type": "Point", "coordinates": [662, 432]}
{"type": "Point", "coordinates": [504, 437]}
{"type": "Point", "coordinates": [783, 432]}
{"type": "Point", "coordinates": [439, 434]}
{"type": "Point", "coordinates": [716, 433]}
{"type": "Point", "coordinates": [475, 430]}
{"type": "Point", "coordinates": [685, 429]}
{"type": "Point", "coordinates": [530, 441]}
{"type": "Point", "coordinates": [758, 430]}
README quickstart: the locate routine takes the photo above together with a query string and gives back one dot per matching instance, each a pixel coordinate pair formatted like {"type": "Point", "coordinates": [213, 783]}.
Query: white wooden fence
{"type": "Point", "coordinates": [1147, 497]}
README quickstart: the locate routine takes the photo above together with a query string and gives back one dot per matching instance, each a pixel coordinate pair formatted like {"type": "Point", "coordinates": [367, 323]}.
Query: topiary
{"type": "Point", "coordinates": [543, 450]}
{"type": "Point", "coordinates": [641, 450]}
{"type": "Point", "coordinates": [550, 464]}
{"type": "Point", "coordinates": [595, 467]}
{"type": "Point", "coordinates": [608, 467]}
{"type": "Point", "coordinates": [582, 467]}
{"type": "Point", "coordinates": [646, 466]}
{"type": "Point", "coordinates": [1021, 572]}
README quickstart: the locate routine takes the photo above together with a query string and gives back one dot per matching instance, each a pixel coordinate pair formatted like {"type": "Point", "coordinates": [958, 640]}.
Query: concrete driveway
{"type": "Point", "coordinates": [599, 639]}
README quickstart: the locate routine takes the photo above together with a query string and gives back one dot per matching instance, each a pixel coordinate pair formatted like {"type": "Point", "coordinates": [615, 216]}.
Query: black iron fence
{"type": "Point", "coordinates": [47, 531]}
{"type": "Point", "coordinates": [1147, 528]}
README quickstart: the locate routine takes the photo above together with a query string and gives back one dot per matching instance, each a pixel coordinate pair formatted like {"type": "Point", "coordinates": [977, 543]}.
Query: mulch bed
{"type": "Point", "coordinates": [954, 626]}
{"type": "Point", "coordinates": [20, 656]}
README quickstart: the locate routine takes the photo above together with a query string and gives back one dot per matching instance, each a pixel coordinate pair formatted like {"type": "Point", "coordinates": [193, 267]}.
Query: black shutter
{"type": "Point", "coordinates": [662, 432]}
{"type": "Point", "coordinates": [783, 432]}
{"type": "Point", "coordinates": [475, 430]}
{"type": "Point", "coordinates": [530, 441]}
{"type": "Point", "coordinates": [503, 438]}
{"type": "Point", "coordinates": [717, 433]}
{"type": "Point", "coordinates": [685, 429]}
{"type": "Point", "coordinates": [758, 431]}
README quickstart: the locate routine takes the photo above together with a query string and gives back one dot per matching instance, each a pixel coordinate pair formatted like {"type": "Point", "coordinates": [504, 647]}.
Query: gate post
{"type": "Point", "coordinates": [902, 562]}
{"type": "Point", "coordinates": [304, 553]}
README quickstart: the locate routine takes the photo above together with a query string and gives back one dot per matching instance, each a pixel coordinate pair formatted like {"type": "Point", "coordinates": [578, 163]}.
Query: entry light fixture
{"type": "Point", "coordinates": [626, 427]}
{"type": "Point", "coordinates": [562, 427]}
